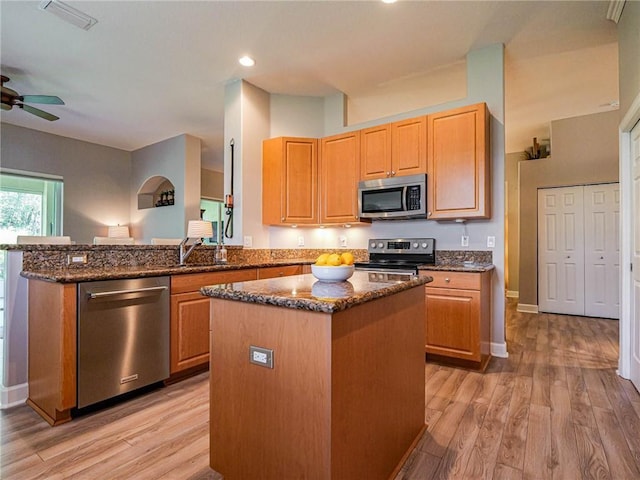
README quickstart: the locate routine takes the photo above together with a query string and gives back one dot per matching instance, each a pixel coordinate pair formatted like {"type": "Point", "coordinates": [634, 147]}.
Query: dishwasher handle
{"type": "Point", "coordinates": [113, 293]}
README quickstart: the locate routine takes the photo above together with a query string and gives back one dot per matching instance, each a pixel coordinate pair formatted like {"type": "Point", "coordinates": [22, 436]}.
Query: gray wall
{"type": "Point", "coordinates": [96, 178]}
{"type": "Point", "coordinates": [584, 150]}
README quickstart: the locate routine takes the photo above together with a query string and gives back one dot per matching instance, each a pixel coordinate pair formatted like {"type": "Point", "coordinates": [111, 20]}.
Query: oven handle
{"type": "Point", "coordinates": [390, 270]}
{"type": "Point", "coordinates": [113, 293]}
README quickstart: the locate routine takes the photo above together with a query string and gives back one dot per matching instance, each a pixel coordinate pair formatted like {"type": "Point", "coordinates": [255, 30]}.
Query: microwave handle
{"type": "Point", "coordinates": [404, 198]}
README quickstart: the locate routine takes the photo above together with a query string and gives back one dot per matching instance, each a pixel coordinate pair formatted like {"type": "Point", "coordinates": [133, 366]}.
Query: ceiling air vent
{"type": "Point", "coordinates": [68, 14]}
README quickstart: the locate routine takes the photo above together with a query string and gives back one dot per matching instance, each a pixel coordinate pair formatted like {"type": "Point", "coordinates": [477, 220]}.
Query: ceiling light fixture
{"type": "Point", "coordinates": [246, 61]}
{"type": "Point", "coordinates": [389, 1]}
{"type": "Point", "coordinates": [68, 14]}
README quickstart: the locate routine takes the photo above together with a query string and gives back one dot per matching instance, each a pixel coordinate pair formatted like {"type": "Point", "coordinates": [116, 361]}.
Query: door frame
{"type": "Point", "coordinates": [631, 117]}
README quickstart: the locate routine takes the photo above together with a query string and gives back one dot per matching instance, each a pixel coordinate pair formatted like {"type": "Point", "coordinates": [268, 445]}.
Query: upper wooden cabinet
{"type": "Point", "coordinates": [339, 167]}
{"type": "Point", "coordinates": [290, 181]}
{"type": "Point", "coordinates": [398, 148]}
{"type": "Point", "coordinates": [458, 163]}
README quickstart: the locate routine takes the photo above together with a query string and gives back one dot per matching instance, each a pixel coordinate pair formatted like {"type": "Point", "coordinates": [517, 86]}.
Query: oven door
{"type": "Point", "coordinates": [377, 274]}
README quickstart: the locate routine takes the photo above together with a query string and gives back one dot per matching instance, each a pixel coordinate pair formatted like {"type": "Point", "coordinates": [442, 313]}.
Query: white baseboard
{"type": "Point", "coordinates": [513, 294]}
{"type": "Point", "coordinates": [499, 350]}
{"type": "Point", "coordinates": [525, 308]}
{"type": "Point", "coordinates": [13, 396]}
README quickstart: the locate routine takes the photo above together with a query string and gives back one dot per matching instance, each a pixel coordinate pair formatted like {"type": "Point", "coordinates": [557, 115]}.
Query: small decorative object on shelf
{"type": "Point", "coordinates": [170, 197]}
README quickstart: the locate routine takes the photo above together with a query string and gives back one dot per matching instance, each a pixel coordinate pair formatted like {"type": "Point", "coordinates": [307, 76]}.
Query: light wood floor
{"type": "Point", "coordinates": [554, 409]}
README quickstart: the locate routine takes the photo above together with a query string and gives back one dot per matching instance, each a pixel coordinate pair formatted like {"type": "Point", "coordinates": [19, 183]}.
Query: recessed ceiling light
{"type": "Point", "coordinates": [389, 1]}
{"type": "Point", "coordinates": [247, 61]}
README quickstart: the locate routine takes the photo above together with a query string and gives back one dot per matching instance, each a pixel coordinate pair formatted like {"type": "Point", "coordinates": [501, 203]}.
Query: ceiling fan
{"type": "Point", "coordinates": [11, 98]}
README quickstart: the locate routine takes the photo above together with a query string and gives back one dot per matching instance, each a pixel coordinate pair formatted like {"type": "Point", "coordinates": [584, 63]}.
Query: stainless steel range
{"type": "Point", "coordinates": [397, 258]}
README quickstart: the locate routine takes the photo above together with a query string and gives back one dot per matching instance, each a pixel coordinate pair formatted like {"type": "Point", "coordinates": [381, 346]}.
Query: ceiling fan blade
{"type": "Point", "coordinates": [38, 112]}
{"type": "Point", "coordinates": [8, 91]}
{"type": "Point", "coordinates": [48, 99]}
{"type": "Point", "coordinates": [6, 106]}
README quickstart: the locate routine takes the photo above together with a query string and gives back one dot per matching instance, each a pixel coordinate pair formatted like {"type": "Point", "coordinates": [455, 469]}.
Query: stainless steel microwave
{"type": "Point", "coordinates": [393, 198]}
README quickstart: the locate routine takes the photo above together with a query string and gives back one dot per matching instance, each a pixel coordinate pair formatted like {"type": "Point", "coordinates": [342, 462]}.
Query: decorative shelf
{"type": "Point", "coordinates": [157, 191]}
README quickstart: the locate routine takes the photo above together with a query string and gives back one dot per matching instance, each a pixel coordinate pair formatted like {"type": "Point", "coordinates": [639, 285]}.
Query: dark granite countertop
{"type": "Point", "coordinates": [459, 267]}
{"type": "Point", "coordinates": [73, 275]}
{"type": "Point", "coordinates": [305, 292]}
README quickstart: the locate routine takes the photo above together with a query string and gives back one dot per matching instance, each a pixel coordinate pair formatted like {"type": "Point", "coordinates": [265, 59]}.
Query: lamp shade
{"type": "Point", "coordinates": [118, 231]}
{"type": "Point", "coordinates": [199, 229]}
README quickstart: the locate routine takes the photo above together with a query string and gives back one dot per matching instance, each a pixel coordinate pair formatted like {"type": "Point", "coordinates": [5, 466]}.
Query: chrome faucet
{"type": "Point", "coordinates": [184, 254]}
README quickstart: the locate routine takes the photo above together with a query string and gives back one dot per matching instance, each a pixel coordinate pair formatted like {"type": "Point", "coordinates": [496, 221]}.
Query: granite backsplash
{"type": "Point", "coordinates": [55, 257]}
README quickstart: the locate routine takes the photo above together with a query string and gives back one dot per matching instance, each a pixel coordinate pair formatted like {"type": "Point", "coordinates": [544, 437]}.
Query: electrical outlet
{"type": "Point", "coordinates": [491, 241]}
{"type": "Point", "coordinates": [343, 240]}
{"type": "Point", "coordinates": [301, 241]}
{"type": "Point", "coordinates": [464, 241]}
{"type": "Point", "coordinates": [261, 356]}
{"type": "Point", "coordinates": [247, 241]}
{"type": "Point", "coordinates": [77, 259]}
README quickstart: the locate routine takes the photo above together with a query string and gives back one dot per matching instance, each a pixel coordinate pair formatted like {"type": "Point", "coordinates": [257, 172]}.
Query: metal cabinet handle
{"type": "Point", "coordinates": [447, 280]}
{"type": "Point", "coordinates": [393, 173]}
{"type": "Point", "coordinates": [388, 174]}
{"type": "Point", "coordinates": [601, 258]}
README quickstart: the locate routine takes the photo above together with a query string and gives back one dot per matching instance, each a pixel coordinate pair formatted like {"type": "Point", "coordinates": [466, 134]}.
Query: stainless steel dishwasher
{"type": "Point", "coordinates": [123, 336]}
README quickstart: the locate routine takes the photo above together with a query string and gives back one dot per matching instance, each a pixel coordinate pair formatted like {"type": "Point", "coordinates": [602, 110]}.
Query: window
{"type": "Point", "coordinates": [212, 211]}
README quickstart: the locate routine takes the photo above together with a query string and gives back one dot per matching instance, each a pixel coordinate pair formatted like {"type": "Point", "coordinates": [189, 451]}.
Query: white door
{"type": "Point", "coordinates": [635, 219]}
{"type": "Point", "coordinates": [602, 251]}
{"type": "Point", "coordinates": [561, 250]}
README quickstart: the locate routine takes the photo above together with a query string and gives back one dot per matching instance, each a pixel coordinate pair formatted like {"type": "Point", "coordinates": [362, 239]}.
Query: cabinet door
{"type": "Point", "coordinates": [289, 181]}
{"type": "Point", "coordinates": [375, 152]}
{"type": "Point", "coordinates": [339, 176]}
{"type": "Point", "coordinates": [458, 163]}
{"type": "Point", "coordinates": [409, 146]}
{"type": "Point", "coordinates": [453, 323]}
{"type": "Point", "coordinates": [189, 330]}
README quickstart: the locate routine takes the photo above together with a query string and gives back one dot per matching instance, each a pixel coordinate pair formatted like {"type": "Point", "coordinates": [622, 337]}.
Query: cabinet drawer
{"type": "Point", "coordinates": [284, 271]}
{"type": "Point", "coordinates": [461, 280]}
{"type": "Point", "coordinates": [195, 281]}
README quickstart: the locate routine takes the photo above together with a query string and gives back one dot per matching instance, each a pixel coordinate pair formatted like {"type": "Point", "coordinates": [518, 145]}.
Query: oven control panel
{"type": "Point", "coordinates": [402, 245]}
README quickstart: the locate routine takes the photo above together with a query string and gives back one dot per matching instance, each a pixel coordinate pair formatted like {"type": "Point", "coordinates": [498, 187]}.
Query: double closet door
{"type": "Point", "coordinates": [579, 250]}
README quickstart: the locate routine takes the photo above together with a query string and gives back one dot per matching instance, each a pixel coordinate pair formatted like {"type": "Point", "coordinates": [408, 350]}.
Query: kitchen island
{"type": "Point", "coordinates": [316, 380]}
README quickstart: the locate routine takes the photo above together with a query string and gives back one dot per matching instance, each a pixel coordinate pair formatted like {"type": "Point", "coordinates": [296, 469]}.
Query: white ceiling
{"type": "Point", "coordinates": [148, 71]}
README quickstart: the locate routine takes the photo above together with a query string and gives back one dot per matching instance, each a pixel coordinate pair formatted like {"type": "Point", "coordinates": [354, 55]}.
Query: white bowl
{"type": "Point", "coordinates": [332, 274]}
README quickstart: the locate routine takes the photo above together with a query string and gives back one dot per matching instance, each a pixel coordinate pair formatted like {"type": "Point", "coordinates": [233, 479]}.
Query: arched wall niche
{"type": "Point", "coordinates": [156, 191]}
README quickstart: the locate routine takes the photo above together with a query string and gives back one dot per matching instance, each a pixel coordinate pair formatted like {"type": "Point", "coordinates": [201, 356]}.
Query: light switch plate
{"type": "Point", "coordinates": [247, 241]}
{"type": "Point", "coordinates": [343, 240]}
{"type": "Point", "coordinates": [491, 241]}
{"type": "Point", "coordinates": [301, 241]}
{"type": "Point", "coordinates": [464, 241]}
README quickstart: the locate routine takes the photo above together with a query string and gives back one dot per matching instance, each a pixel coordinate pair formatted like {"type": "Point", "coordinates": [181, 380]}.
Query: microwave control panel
{"type": "Point", "coordinates": [413, 197]}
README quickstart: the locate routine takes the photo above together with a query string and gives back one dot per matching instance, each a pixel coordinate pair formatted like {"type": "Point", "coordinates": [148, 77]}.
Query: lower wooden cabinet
{"type": "Point", "coordinates": [190, 316]}
{"type": "Point", "coordinates": [458, 317]}
{"type": "Point", "coordinates": [190, 311]}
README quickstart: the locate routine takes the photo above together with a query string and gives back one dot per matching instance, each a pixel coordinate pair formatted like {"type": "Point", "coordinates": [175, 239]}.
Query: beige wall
{"type": "Point", "coordinates": [512, 225]}
{"type": "Point", "coordinates": [629, 55]}
{"type": "Point", "coordinates": [211, 184]}
{"type": "Point", "coordinates": [584, 150]}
